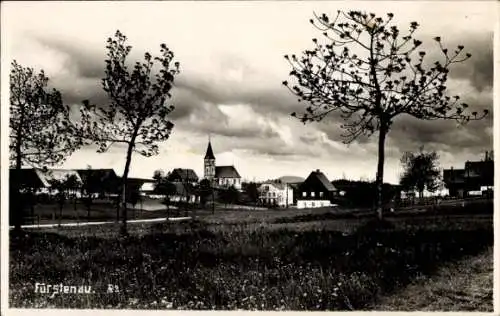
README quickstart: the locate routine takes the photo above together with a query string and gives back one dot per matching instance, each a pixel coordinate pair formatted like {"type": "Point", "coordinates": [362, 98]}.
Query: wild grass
{"type": "Point", "coordinates": [246, 266]}
{"type": "Point", "coordinates": [463, 285]}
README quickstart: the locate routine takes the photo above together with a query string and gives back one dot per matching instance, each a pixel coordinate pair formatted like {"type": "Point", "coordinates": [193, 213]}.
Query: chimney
{"type": "Point", "coordinates": [317, 170]}
{"type": "Point", "coordinates": [486, 156]}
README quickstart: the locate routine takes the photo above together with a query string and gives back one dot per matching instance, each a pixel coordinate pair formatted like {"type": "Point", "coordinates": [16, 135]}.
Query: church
{"type": "Point", "coordinates": [222, 176]}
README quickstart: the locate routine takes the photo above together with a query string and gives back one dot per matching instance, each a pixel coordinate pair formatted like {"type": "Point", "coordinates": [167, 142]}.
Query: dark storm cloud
{"type": "Point", "coordinates": [478, 70]}
{"type": "Point", "coordinates": [265, 100]}
{"type": "Point", "coordinates": [197, 97]}
{"type": "Point", "coordinates": [409, 133]}
{"type": "Point", "coordinates": [84, 60]}
{"type": "Point", "coordinates": [75, 95]}
{"type": "Point", "coordinates": [272, 146]}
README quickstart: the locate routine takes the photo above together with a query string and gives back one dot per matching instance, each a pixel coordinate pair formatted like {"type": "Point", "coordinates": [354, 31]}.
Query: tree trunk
{"type": "Point", "coordinates": [123, 229]}
{"type": "Point", "coordinates": [18, 206]}
{"type": "Point", "coordinates": [213, 201]}
{"type": "Point", "coordinates": [380, 169]}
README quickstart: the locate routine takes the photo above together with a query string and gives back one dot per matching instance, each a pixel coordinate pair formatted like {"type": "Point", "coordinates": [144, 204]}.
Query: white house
{"type": "Point", "coordinates": [275, 194]}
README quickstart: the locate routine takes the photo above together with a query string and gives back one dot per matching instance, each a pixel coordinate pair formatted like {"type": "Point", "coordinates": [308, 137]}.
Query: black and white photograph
{"type": "Point", "coordinates": [248, 155]}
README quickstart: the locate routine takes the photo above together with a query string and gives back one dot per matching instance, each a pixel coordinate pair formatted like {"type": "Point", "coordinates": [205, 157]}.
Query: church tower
{"type": "Point", "coordinates": [209, 165]}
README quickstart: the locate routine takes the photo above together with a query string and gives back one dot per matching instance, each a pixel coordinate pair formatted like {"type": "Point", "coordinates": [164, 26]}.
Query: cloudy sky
{"type": "Point", "coordinates": [232, 66]}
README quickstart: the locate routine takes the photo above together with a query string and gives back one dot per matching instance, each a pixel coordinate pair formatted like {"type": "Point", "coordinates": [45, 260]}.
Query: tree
{"type": "Point", "coordinates": [158, 175]}
{"type": "Point", "coordinates": [164, 187]}
{"type": "Point", "coordinates": [63, 188]}
{"type": "Point", "coordinates": [89, 184]}
{"type": "Point", "coordinates": [229, 195]}
{"type": "Point", "coordinates": [421, 171]}
{"type": "Point", "coordinates": [41, 133]}
{"type": "Point", "coordinates": [204, 191]}
{"type": "Point", "coordinates": [137, 115]}
{"type": "Point", "coordinates": [72, 184]}
{"type": "Point", "coordinates": [370, 73]}
{"type": "Point", "coordinates": [252, 192]}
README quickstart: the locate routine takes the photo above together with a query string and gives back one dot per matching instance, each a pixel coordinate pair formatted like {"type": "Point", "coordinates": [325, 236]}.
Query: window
{"type": "Point", "coordinates": [320, 194]}
{"type": "Point", "coordinates": [312, 194]}
{"type": "Point", "coordinates": [304, 194]}
{"type": "Point", "coordinates": [312, 204]}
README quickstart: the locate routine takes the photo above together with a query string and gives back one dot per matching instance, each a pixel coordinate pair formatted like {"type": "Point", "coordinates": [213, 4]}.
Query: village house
{"type": "Point", "coordinates": [183, 175]}
{"type": "Point", "coordinates": [475, 179]}
{"type": "Point", "coordinates": [184, 192]}
{"type": "Point", "coordinates": [275, 194]}
{"type": "Point", "coordinates": [39, 180]}
{"type": "Point", "coordinates": [100, 182]}
{"type": "Point", "coordinates": [220, 176]}
{"type": "Point", "coordinates": [315, 191]}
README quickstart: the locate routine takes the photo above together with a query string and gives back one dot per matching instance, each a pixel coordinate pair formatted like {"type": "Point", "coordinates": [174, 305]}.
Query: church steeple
{"type": "Point", "coordinates": [210, 153]}
{"type": "Point", "coordinates": [209, 162]}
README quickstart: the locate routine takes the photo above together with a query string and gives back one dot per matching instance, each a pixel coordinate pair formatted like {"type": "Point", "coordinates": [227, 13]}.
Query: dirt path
{"type": "Point", "coordinates": [466, 285]}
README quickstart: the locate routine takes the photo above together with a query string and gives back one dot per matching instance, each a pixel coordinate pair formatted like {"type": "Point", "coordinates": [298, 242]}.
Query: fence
{"type": "Point", "coordinates": [436, 200]}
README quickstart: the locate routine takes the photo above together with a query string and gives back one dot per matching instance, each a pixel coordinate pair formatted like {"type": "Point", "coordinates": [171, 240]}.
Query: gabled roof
{"type": "Point", "coordinates": [321, 178]}
{"type": "Point", "coordinates": [184, 175]}
{"type": "Point", "coordinates": [25, 178]}
{"type": "Point", "coordinates": [210, 153]}
{"type": "Point", "coordinates": [46, 176]}
{"type": "Point", "coordinates": [226, 172]}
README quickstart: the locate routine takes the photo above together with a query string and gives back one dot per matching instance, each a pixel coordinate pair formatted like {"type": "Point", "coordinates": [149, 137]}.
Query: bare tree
{"type": "Point", "coordinates": [137, 113]}
{"type": "Point", "coordinates": [369, 72]}
{"type": "Point", "coordinates": [41, 133]}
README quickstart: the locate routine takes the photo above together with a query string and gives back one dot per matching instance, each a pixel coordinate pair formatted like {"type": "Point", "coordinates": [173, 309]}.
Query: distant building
{"type": "Point", "coordinates": [183, 175]}
{"type": "Point", "coordinates": [221, 176]}
{"type": "Point", "coordinates": [275, 194]}
{"type": "Point", "coordinates": [100, 181]}
{"type": "Point", "coordinates": [315, 191]}
{"type": "Point", "coordinates": [477, 177]}
{"type": "Point", "coordinates": [39, 180]}
{"type": "Point", "coordinates": [184, 192]}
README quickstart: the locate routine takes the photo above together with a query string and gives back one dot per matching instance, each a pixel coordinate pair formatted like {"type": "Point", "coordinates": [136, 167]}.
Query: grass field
{"type": "Point", "coordinates": [463, 285]}
{"type": "Point", "coordinates": [259, 260]}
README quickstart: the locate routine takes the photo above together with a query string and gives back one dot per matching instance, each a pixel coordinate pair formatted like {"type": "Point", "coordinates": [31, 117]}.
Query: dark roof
{"type": "Point", "coordinates": [324, 180]}
{"type": "Point", "coordinates": [180, 174]}
{"type": "Point", "coordinates": [38, 178]}
{"type": "Point", "coordinates": [479, 168]}
{"type": "Point", "coordinates": [320, 176]}
{"type": "Point", "coordinates": [96, 174]}
{"type": "Point", "coordinates": [226, 172]}
{"type": "Point", "coordinates": [100, 180]}
{"type": "Point", "coordinates": [26, 178]}
{"type": "Point", "coordinates": [210, 153]}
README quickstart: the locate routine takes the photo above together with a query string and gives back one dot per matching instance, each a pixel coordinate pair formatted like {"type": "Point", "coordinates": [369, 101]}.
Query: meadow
{"type": "Point", "coordinates": [301, 263]}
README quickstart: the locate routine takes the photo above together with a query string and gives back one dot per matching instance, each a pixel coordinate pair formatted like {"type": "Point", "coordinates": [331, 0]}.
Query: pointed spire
{"type": "Point", "coordinates": [210, 153]}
